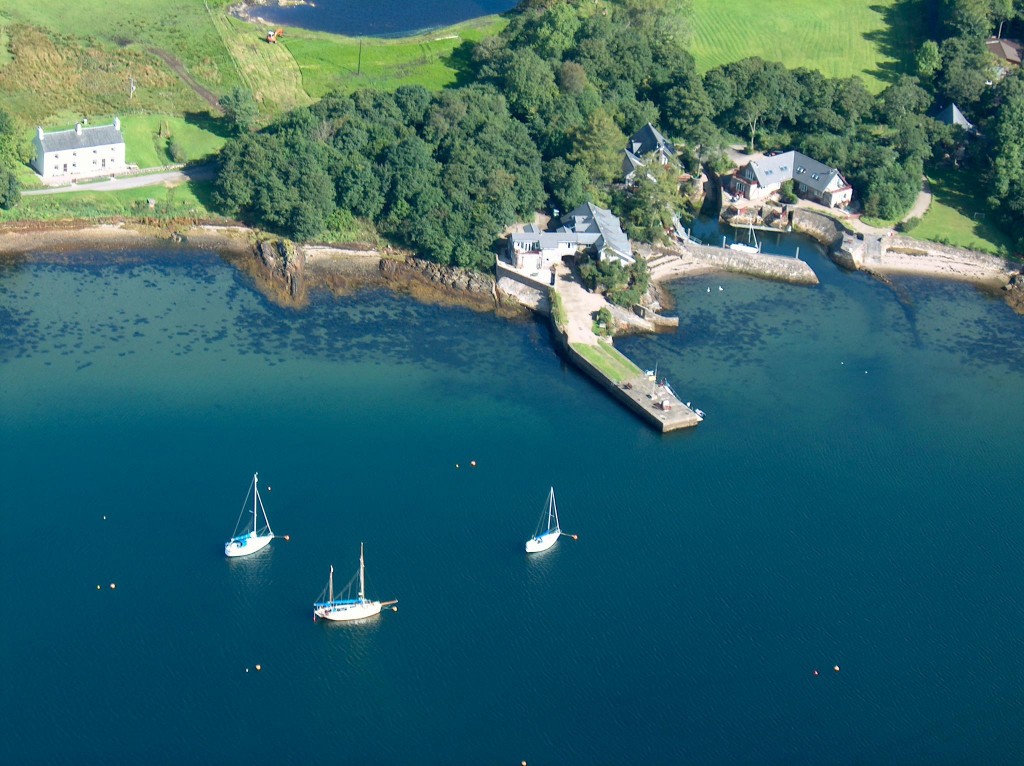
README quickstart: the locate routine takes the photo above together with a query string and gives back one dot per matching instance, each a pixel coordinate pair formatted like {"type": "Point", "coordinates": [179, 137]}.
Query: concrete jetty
{"type": "Point", "coordinates": [572, 309]}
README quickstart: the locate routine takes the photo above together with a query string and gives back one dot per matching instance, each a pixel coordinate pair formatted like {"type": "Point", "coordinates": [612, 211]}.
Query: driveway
{"type": "Point", "coordinates": [167, 178]}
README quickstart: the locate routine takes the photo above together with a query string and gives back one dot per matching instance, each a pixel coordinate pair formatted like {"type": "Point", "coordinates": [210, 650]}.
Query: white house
{"type": "Point", "coordinates": [759, 178]}
{"type": "Point", "coordinates": [588, 226]}
{"type": "Point", "coordinates": [80, 152]}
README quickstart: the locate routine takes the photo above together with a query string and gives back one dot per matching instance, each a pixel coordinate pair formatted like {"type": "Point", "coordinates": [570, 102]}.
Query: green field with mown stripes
{"type": "Point", "coordinates": [872, 38]}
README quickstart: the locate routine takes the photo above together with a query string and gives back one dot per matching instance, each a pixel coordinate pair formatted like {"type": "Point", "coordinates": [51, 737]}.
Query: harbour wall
{"type": "Point", "coordinates": [778, 267]}
{"type": "Point", "coordinates": [634, 399]}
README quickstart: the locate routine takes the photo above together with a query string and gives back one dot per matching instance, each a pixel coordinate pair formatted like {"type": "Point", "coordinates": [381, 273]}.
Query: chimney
{"type": "Point", "coordinates": [78, 128]}
{"type": "Point", "coordinates": [39, 132]}
{"type": "Point", "coordinates": [117, 123]}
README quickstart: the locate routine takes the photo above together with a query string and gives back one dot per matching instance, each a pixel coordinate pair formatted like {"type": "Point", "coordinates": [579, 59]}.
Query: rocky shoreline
{"type": "Point", "coordinates": [286, 273]}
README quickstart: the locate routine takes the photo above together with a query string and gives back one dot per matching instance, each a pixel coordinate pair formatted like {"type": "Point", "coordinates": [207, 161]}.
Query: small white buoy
{"type": "Point", "coordinates": [259, 667]}
{"type": "Point", "coordinates": [247, 670]}
{"type": "Point", "coordinates": [97, 587]}
{"type": "Point", "coordinates": [709, 289]}
{"type": "Point", "coordinates": [815, 672]}
{"type": "Point", "coordinates": [836, 668]}
{"type": "Point", "coordinates": [113, 585]}
{"type": "Point", "coordinates": [472, 463]}
{"type": "Point", "coordinates": [719, 288]}
{"type": "Point", "coordinates": [104, 518]}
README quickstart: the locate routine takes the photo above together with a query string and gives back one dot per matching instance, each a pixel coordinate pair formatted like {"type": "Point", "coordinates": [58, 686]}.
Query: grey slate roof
{"type": "Point", "coordinates": [70, 140]}
{"type": "Point", "coordinates": [599, 226]}
{"type": "Point", "coordinates": [647, 140]}
{"type": "Point", "coordinates": [952, 115]}
{"type": "Point", "coordinates": [801, 168]}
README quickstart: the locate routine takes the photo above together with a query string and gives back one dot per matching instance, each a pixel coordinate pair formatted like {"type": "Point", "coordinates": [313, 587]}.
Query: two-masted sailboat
{"type": "Point", "coordinates": [256, 535]}
{"type": "Point", "coordinates": [347, 608]}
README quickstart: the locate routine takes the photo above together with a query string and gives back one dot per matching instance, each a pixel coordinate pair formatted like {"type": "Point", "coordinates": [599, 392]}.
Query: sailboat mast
{"type": "Point", "coordinates": [362, 576]}
{"type": "Point", "coordinates": [255, 498]}
{"type": "Point", "coordinates": [552, 510]}
{"type": "Point", "coordinates": [330, 586]}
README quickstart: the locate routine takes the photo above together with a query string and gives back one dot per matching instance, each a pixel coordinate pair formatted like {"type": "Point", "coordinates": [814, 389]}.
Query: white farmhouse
{"type": "Point", "coordinates": [81, 152]}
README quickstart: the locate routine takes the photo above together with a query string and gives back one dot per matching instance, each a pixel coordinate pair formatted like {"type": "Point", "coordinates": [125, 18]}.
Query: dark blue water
{"type": "Point", "coordinates": [853, 498]}
{"type": "Point", "coordinates": [383, 18]}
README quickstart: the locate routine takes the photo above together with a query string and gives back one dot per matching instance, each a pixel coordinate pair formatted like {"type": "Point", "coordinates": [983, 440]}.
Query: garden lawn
{"type": "Point", "coordinates": [872, 38]}
{"type": "Point", "coordinates": [148, 139]}
{"type": "Point", "coordinates": [958, 214]}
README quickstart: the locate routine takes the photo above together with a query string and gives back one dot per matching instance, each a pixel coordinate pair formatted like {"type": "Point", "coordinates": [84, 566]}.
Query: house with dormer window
{"type": "Point", "coordinates": [811, 179]}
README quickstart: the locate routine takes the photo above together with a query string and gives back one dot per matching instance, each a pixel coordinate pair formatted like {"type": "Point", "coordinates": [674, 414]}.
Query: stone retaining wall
{"type": "Point", "coordinates": [778, 267]}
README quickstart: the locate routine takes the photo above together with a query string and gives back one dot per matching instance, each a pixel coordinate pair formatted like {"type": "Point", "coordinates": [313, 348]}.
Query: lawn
{"type": "Point", "coordinates": [958, 214]}
{"type": "Point", "coordinates": [183, 201]}
{"type": "Point", "coordinates": [608, 360]}
{"type": "Point", "coordinates": [872, 38]}
{"type": "Point", "coordinates": [148, 138]}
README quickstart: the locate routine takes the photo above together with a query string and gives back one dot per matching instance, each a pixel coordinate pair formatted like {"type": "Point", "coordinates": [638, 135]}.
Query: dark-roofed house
{"type": "Point", "coordinates": [645, 141]}
{"type": "Point", "coordinates": [80, 152]}
{"type": "Point", "coordinates": [952, 115]}
{"type": "Point", "coordinates": [588, 226]}
{"type": "Point", "coordinates": [759, 178]}
{"type": "Point", "coordinates": [1007, 51]}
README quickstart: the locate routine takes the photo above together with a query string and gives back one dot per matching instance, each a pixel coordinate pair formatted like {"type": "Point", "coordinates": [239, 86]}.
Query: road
{"type": "Point", "coordinates": [168, 178]}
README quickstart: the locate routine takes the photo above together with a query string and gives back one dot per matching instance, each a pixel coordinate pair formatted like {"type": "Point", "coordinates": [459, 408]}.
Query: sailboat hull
{"type": "Point", "coordinates": [244, 546]}
{"type": "Point", "coordinates": [542, 542]}
{"type": "Point", "coordinates": [346, 612]}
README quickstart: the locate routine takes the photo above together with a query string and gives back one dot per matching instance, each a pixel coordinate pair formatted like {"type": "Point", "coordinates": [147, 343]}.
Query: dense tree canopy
{"type": "Point", "coordinates": [546, 116]}
{"type": "Point", "coordinates": [440, 173]}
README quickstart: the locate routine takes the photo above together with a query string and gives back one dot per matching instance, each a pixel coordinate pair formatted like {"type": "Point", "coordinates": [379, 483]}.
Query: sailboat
{"type": "Point", "coordinates": [548, 530]}
{"type": "Point", "coordinates": [348, 608]}
{"type": "Point", "coordinates": [257, 536]}
{"type": "Point", "coordinates": [740, 247]}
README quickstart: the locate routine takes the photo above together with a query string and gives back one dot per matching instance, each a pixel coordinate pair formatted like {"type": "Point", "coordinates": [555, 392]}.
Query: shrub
{"type": "Point", "coordinates": [908, 225]}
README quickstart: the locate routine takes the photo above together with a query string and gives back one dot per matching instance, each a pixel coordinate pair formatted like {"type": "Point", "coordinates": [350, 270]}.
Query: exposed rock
{"type": "Point", "coordinates": [1015, 292]}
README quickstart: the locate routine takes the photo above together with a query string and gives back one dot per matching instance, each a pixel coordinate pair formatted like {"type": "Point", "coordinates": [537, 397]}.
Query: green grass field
{"type": "Point", "coordinates": [184, 28]}
{"type": "Point", "coordinates": [871, 38]}
{"type": "Point", "coordinates": [148, 138]}
{"type": "Point", "coordinates": [959, 216]}
{"type": "Point", "coordinates": [184, 201]}
{"type": "Point", "coordinates": [432, 60]}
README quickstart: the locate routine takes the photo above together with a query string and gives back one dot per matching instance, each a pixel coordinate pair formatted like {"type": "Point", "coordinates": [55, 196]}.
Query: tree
{"type": "Point", "coordinates": [928, 60]}
{"type": "Point", "coordinates": [240, 108]}
{"type": "Point", "coordinates": [966, 70]}
{"type": "Point", "coordinates": [1006, 172]}
{"type": "Point", "coordinates": [10, 189]}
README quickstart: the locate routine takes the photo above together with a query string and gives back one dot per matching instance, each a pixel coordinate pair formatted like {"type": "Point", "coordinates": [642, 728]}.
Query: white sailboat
{"type": "Point", "coordinates": [345, 608]}
{"type": "Point", "coordinates": [548, 530]}
{"type": "Point", "coordinates": [256, 536]}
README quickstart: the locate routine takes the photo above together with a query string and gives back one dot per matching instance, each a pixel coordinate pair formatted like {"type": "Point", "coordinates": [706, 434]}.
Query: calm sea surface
{"type": "Point", "coordinates": [853, 499]}
{"type": "Point", "coordinates": [382, 18]}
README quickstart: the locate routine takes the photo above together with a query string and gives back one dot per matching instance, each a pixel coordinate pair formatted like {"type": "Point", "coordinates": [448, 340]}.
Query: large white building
{"type": "Point", "coordinates": [80, 152]}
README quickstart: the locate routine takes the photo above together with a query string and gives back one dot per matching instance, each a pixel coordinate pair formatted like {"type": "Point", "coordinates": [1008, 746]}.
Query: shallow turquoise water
{"type": "Point", "coordinates": [852, 499]}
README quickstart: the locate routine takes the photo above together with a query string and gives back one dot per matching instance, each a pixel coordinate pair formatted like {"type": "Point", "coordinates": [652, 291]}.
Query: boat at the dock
{"type": "Point", "coordinates": [548, 530]}
{"type": "Point", "coordinates": [346, 608]}
{"type": "Point", "coordinates": [257, 535]}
